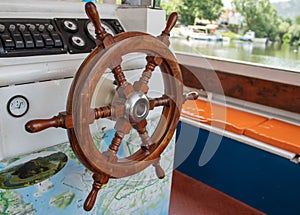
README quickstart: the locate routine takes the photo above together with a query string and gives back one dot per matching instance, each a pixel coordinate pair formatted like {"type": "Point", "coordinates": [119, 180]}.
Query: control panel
{"type": "Point", "coordinates": [19, 37]}
{"type": "Point", "coordinates": [30, 37]}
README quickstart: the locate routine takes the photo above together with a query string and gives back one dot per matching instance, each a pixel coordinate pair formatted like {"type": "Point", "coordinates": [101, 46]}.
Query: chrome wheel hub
{"type": "Point", "coordinates": [137, 107]}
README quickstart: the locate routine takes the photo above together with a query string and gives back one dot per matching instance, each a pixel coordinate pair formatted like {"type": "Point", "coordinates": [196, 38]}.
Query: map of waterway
{"type": "Point", "coordinates": [65, 192]}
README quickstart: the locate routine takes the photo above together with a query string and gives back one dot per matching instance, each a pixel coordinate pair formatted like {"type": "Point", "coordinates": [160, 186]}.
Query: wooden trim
{"type": "Point", "coordinates": [270, 93]}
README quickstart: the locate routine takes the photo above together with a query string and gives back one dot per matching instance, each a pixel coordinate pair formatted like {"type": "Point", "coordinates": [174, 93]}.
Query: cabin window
{"type": "Point", "coordinates": [233, 34]}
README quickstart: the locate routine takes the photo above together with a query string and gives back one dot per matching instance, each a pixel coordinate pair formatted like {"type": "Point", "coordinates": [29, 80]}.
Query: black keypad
{"type": "Point", "coordinates": [21, 37]}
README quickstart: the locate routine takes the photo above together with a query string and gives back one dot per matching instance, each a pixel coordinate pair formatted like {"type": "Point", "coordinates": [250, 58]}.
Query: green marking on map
{"type": "Point", "coordinates": [134, 190]}
{"type": "Point", "coordinates": [3, 203]}
{"type": "Point", "coordinates": [62, 200]}
{"type": "Point", "coordinates": [13, 203]}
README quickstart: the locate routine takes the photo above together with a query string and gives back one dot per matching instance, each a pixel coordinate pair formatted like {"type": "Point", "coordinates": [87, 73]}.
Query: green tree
{"type": "Point", "coordinates": [289, 20]}
{"type": "Point", "coordinates": [286, 38]}
{"type": "Point", "coordinates": [297, 20]}
{"type": "Point", "coordinates": [260, 16]}
{"type": "Point", "coordinates": [190, 9]}
{"type": "Point", "coordinates": [283, 30]}
{"type": "Point", "coordinates": [294, 30]}
{"type": "Point", "coordinates": [171, 6]}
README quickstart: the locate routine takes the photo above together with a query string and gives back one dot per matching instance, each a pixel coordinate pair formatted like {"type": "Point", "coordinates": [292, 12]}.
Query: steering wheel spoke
{"type": "Point", "coordinates": [142, 84]}
{"type": "Point", "coordinates": [119, 74]}
{"type": "Point", "coordinates": [64, 120]}
{"type": "Point", "coordinates": [116, 142]}
{"type": "Point", "coordinates": [146, 139]}
{"type": "Point", "coordinates": [122, 128]}
{"type": "Point", "coordinates": [124, 89]}
{"type": "Point", "coordinates": [162, 101]}
{"type": "Point", "coordinates": [103, 112]}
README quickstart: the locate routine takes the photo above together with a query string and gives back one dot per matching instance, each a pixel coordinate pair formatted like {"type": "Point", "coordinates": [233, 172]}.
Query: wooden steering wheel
{"type": "Point", "coordinates": [129, 110]}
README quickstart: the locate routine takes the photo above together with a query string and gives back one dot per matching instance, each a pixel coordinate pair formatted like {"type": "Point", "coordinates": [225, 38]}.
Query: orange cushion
{"type": "Point", "coordinates": [197, 110]}
{"type": "Point", "coordinates": [277, 133]}
{"type": "Point", "coordinates": [223, 117]}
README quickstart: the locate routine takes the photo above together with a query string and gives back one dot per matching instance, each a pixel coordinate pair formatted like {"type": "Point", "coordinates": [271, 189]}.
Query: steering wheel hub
{"type": "Point", "coordinates": [137, 107]}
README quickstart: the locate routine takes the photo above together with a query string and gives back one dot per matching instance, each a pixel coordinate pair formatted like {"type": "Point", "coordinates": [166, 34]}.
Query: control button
{"type": "Point", "coordinates": [2, 28]}
{"type": "Point", "coordinates": [41, 28]}
{"type": "Point", "coordinates": [31, 27]}
{"type": "Point", "coordinates": [50, 28]}
{"type": "Point", "coordinates": [28, 40]}
{"type": "Point", "coordinates": [22, 27]}
{"type": "Point", "coordinates": [48, 40]}
{"type": "Point", "coordinates": [38, 40]}
{"type": "Point", "coordinates": [120, 29]}
{"type": "Point", "coordinates": [12, 28]}
{"type": "Point", "coordinates": [57, 41]}
{"type": "Point", "coordinates": [8, 41]}
{"type": "Point", "coordinates": [18, 41]}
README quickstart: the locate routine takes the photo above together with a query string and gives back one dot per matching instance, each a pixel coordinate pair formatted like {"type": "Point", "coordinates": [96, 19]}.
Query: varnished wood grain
{"type": "Point", "coordinates": [264, 92]}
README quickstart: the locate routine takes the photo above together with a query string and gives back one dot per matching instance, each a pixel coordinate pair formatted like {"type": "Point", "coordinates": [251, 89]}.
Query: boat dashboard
{"type": "Point", "coordinates": [250, 110]}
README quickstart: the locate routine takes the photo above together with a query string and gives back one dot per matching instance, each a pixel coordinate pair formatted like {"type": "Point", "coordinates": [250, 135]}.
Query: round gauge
{"type": "Point", "coordinates": [70, 25]}
{"type": "Point", "coordinates": [17, 106]}
{"type": "Point", "coordinates": [91, 29]}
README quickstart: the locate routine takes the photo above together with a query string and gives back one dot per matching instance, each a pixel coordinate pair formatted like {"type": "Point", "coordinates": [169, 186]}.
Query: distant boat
{"type": "Point", "coordinates": [200, 32]}
{"type": "Point", "coordinates": [250, 37]}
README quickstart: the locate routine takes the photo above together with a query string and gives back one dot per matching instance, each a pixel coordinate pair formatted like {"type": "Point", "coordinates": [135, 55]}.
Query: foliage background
{"type": "Point", "coordinates": [260, 16]}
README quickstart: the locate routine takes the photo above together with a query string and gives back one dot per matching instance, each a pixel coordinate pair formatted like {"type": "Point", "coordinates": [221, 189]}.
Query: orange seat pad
{"type": "Point", "coordinates": [220, 116]}
{"type": "Point", "coordinates": [277, 133]}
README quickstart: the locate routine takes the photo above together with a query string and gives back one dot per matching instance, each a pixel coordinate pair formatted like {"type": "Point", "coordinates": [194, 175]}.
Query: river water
{"type": "Point", "coordinates": [271, 55]}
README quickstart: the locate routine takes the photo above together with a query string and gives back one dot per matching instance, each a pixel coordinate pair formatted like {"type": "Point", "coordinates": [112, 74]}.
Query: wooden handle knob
{"type": "Point", "coordinates": [61, 120]}
{"type": "Point", "coordinates": [159, 172]}
{"type": "Point", "coordinates": [171, 23]}
{"type": "Point", "coordinates": [91, 199]}
{"type": "Point", "coordinates": [158, 169]}
{"type": "Point", "coordinates": [92, 13]}
{"type": "Point", "coordinates": [42, 124]}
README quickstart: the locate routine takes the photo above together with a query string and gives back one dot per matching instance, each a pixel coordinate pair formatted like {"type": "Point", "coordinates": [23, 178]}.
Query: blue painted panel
{"type": "Point", "coordinates": [260, 179]}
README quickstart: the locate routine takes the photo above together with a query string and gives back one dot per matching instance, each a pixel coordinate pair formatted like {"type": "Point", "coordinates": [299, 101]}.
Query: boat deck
{"type": "Point", "coordinates": [189, 196]}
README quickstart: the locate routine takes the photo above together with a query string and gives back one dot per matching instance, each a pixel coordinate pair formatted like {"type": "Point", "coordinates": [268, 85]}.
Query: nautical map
{"type": "Point", "coordinates": [65, 191]}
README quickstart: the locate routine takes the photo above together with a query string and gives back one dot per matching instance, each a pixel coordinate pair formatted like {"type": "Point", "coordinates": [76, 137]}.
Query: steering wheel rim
{"type": "Point", "coordinates": [84, 85]}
